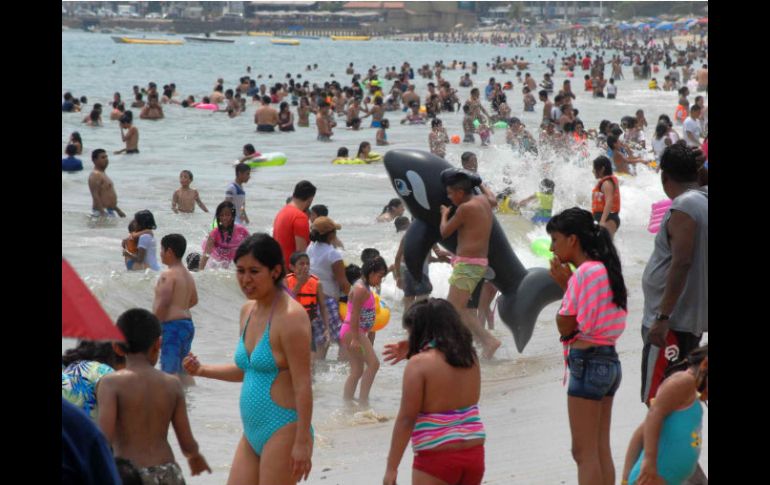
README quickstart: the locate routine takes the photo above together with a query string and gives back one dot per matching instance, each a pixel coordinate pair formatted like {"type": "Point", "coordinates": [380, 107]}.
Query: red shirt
{"type": "Point", "coordinates": [290, 222]}
{"type": "Point", "coordinates": [586, 63]}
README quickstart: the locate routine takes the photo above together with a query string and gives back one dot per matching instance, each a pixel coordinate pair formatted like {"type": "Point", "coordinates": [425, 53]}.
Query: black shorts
{"type": "Point", "coordinates": [266, 128]}
{"type": "Point", "coordinates": [613, 216]}
{"type": "Point", "coordinates": [135, 150]}
{"type": "Point", "coordinates": [610, 96]}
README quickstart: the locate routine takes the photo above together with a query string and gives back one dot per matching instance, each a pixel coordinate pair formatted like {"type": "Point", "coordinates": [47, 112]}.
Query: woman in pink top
{"type": "Point", "coordinates": [591, 318]}
{"type": "Point", "coordinates": [224, 239]}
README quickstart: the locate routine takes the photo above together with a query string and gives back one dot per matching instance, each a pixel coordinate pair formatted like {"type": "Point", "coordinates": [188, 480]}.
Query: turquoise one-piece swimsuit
{"type": "Point", "coordinates": [260, 415]}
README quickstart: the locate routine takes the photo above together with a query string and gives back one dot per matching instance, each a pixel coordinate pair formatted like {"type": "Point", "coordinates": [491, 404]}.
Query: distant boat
{"type": "Point", "coordinates": [284, 41]}
{"type": "Point", "coordinates": [308, 37]}
{"type": "Point", "coordinates": [133, 40]}
{"type": "Point", "coordinates": [260, 34]}
{"type": "Point", "coordinates": [350, 37]}
{"type": "Point", "coordinates": [229, 33]}
{"type": "Point", "coordinates": [209, 39]}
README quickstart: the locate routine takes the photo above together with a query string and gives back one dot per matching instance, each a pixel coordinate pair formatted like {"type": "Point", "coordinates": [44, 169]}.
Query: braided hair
{"type": "Point", "coordinates": [596, 242]}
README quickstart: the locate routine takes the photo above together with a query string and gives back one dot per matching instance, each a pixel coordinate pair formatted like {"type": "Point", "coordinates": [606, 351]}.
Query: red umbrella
{"type": "Point", "coordinates": [81, 314]}
{"type": "Point", "coordinates": [704, 20]}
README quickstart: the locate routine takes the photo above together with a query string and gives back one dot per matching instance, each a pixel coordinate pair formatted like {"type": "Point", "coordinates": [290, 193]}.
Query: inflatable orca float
{"type": "Point", "coordinates": [416, 176]}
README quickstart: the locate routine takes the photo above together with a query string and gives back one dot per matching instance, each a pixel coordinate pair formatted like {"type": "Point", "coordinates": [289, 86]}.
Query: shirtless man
{"type": "Point", "coordinates": [131, 136]}
{"type": "Point", "coordinates": [217, 96]}
{"type": "Point", "coordinates": [547, 105]}
{"type": "Point", "coordinates": [105, 200]}
{"type": "Point", "coordinates": [137, 404]}
{"type": "Point", "coordinates": [473, 223]}
{"type": "Point", "coordinates": [410, 96]}
{"type": "Point", "coordinates": [323, 123]}
{"type": "Point", "coordinates": [475, 105]}
{"type": "Point", "coordinates": [266, 117]}
{"type": "Point", "coordinates": [153, 110]}
{"type": "Point", "coordinates": [175, 294]}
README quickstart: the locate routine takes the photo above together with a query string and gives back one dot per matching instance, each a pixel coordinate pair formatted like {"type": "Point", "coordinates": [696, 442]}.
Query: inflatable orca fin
{"type": "Point", "coordinates": [519, 310]}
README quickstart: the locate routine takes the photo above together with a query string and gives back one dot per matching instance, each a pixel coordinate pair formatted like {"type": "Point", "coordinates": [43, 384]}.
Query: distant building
{"type": "Point", "coordinates": [561, 9]}
{"type": "Point", "coordinates": [418, 16]}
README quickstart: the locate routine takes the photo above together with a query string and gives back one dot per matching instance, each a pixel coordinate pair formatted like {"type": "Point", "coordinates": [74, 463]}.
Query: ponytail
{"type": "Point", "coordinates": [597, 244]}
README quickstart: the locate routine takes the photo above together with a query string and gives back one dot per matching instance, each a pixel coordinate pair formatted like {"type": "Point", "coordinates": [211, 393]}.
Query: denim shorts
{"type": "Point", "coordinates": [594, 372]}
{"type": "Point", "coordinates": [176, 344]}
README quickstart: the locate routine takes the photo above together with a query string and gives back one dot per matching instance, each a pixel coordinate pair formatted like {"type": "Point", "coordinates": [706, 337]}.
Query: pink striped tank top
{"type": "Point", "coordinates": [589, 298]}
{"type": "Point", "coordinates": [435, 429]}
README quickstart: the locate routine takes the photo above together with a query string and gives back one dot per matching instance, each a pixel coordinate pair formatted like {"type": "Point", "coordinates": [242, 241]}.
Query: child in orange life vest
{"type": "Point", "coordinates": [589, 85]}
{"type": "Point", "coordinates": [307, 289]}
{"type": "Point", "coordinates": [605, 197]}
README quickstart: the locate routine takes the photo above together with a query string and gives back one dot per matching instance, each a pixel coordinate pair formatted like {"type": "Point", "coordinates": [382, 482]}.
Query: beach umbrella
{"type": "Point", "coordinates": [624, 26]}
{"type": "Point", "coordinates": [703, 21]}
{"type": "Point", "coordinates": [82, 316]}
{"type": "Point", "coordinates": [665, 26]}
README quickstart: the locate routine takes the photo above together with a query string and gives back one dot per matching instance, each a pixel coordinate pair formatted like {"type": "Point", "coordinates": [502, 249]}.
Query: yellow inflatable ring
{"type": "Point", "coordinates": [381, 312]}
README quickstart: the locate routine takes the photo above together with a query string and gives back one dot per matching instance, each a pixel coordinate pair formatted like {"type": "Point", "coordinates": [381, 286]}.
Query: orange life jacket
{"type": "Point", "coordinates": [681, 113]}
{"type": "Point", "coordinates": [307, 295]}
{"type": "Point", "coordinates": [597, 196]}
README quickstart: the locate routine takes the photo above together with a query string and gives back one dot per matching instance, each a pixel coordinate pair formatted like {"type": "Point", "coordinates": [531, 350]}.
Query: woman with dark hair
{"type": "Point", "coordinates": [146, 246]}
{"type": "Point", "coordinates": [605, 197]}
{"type": "Point", "coordinates": [358, 322]}
{"type": "Point", "coordinates": [77, 141]}
{"type": "Point", "coordinates": [327, 264]}
{"type": "Point", "coordinates": [439, 403]}
{"type": "Point", "coordinates": [395, 208]}
{"type": "Point", "coordinates": [591, 319]}
{"type": "Point", "coordinates": [224, 239]}
{"type": "Point", "coordinates": [272, 360]}
{"type": "Point", "coordinates": [285, 118]}
{"type": "Point", "coordinates": [82, 367]}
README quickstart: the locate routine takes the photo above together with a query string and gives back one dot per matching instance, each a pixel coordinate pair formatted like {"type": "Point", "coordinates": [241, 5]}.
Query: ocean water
{"type": "Point", "coordinates": [208, 143]}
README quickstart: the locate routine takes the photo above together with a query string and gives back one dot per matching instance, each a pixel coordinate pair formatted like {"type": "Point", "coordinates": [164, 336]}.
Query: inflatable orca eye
{"type": "Point", "coordinates": [401, 187]}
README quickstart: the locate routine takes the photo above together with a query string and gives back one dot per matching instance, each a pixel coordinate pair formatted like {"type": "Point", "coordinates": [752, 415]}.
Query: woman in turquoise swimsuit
{"type": "Point", "coordinates": [666, 447]}
{"type": "Point", "coordinates": [272, 360]}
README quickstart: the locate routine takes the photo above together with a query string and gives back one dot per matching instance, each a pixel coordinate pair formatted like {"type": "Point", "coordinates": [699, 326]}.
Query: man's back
{"type": "Point", "coordinates": [473, 235]}
{"type": "Point", "coordinates": [184, 294]}
{"type": "Point", "coordinates": [143, 403]}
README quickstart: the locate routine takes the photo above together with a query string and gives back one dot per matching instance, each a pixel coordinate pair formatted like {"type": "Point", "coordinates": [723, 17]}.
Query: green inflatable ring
{"type": "Point", "coordinates": [542, 248]}
{"type": "Point", "coordinates": [476, 123]}
{"type": "Point", "coordinates": [501, 124]}
{"type": "Point", "coordinates": [274, 159]}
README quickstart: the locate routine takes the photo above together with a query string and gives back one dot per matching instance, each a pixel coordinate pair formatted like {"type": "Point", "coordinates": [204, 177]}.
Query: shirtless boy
{"type": "Point", "coordinates": [137, 404]}
{"type": "Point", "coordinates": [473, 223]}
{"type": "Point", "coordinates": [104, 198]}
{"type": "Point", "coordinates": [266, 117]}
{"type": "Point", "coordinates": [323, 123]}
{"type": "Point", "coordinates": [153, 110]}
{"type": "Point", "coordinates": [175, 294]}
{"type": "Point", "coordinates": [130, 136]}
{"type": "Point", "coordinates": [185, 198]}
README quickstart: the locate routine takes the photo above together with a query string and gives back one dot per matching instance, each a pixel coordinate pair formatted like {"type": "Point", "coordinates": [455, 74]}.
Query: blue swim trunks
{"type": "Point", "coordinates": [376, 124]}
{"type": "Point", "coordinates": [176, 344]}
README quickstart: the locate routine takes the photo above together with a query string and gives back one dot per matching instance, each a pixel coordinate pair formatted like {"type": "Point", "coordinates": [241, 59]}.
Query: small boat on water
{"type": "Point", "coordinates": [260, 34]}
{"type": "Point", "coordinates": [284, 41]}
{"type": "Point", "coordinates": [209, 39]}
{"type": "Point", "coordinates": [350, 37]}
{"type": "Point", "coordinates": [307, 37]}
{"type": "Point", "coordinates": [133, 40]}
{"type": "Point", "coordinates": [229, 33]}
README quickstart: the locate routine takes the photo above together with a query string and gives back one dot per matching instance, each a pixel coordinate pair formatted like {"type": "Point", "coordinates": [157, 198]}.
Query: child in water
{"type": "Point", "coordinates": [545, 201]}
{"type": "Point", "coordinates": [666, 447]}
{"type": "Point", "coordinates": [439, 404]}
{"type": "Point", "coordinates": [343, 154]}
{"type": "Point", "coordinates": [364, 363]}
{"type": "Point", "coordinates": [307, 290]}
{"type": "Point", "coordinates": [485, 133]}
{"type": "Point", "coordinates": [382, 136]}
{"type": "Point", "coordinates": [185, 198]}
{"type": "Point", "coordinates": [249, 153]}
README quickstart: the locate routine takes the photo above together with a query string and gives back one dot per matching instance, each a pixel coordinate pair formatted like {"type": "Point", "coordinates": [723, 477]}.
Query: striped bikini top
{"type": "Point", "coordinates": [435, 429]}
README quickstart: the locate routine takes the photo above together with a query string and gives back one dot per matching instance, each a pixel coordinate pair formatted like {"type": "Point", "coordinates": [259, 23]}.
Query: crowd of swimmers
{"type": "Point", "coordinates": [296, 280]}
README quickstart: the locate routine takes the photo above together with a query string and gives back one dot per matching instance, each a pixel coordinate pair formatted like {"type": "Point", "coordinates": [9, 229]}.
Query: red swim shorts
{"type": "Point", "coordinates": [456, 467]}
